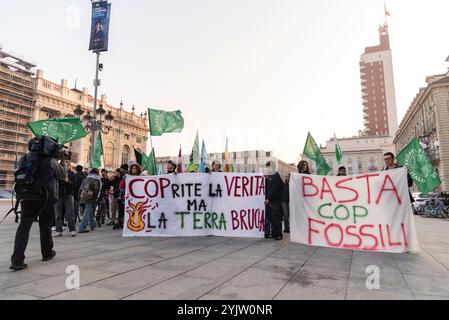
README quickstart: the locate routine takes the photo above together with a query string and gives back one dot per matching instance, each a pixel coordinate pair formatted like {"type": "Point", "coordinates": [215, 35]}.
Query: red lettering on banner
{"type": "Point", "coordinates": [245, 182]}
{"type": "Point", "coordinates": [234, 216]}
{"type": "Point", "coordinates": [309, 183]}
{"type": "Point", "coordinates": [353, 246]}
{"type": "Point", "coordinates": [131, 188]}
{"type": "Point", "coordinates": [164, 186]}
{"type": "Point", "coordinates": [367, 176]}
{"type": "Point", "coordinates": [329, 242]}
{"type": "Point", "coordinates": [156, 188]}
{"type": "Point", "coordinates": [328, 190]}
{"type": "Point", "coordinates": [243, 214]}
{"type": "Point", "coordinates": [237, 187]}
{"type": "Point", "coordinates": [381, 236]}
{"type": "Point", "coordinates": [404, 235]}
{"type": "Point", "coordinates": [313, 230]}
{"type": "Point", "coordinates": [338, 185]}
{"type": "Point", "coordinates": [374, 247]}
{"type": "Point", "coordinates": [391, 244]}
{"type": "Point", "coordinates": [229, 185]}
{"type": "Point", "coordinates": [387, 178]}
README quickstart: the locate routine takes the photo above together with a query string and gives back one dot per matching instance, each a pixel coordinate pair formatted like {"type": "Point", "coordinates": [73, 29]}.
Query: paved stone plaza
{"type": "Point", "coordinates": [223, 268]}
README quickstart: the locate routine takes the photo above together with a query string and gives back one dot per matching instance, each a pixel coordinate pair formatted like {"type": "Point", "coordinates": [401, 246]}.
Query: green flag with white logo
{"type": "Point", "coordinates": [312, 152]}
{"type": "Point", "coordinates": [149, 163]}
{"type": "Point", "coordinates": [64, 129]}
{"type": "Point", "coordinates": [98, 152]}
{"type": "Point", "coordinates": [419, 166]}
{"type": "Point", "coordinates": [164, 122]}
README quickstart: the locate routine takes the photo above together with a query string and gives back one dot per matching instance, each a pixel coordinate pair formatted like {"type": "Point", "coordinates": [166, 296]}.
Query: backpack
{"type": "Point", "coordinates": [27, 184]}
{"type": "Point", "coordinates": [86, 192]}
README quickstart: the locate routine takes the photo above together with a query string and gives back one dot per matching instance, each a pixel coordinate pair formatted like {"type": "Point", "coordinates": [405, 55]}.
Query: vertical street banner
{"type": "Point", "coordinates": [99, 36]}
{"type": "Point", "coordinates": [368, 212]}
{"type": "Point", "coordinates": [195, 204]}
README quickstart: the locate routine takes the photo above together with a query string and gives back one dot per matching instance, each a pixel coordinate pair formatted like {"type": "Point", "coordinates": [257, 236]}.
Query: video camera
{"type": "Point", "coordinates": [45, 146]}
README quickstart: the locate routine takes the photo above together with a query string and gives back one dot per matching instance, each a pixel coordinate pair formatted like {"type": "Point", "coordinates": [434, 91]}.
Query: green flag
{"type": "Point", "coordinates": [338, 153]}
{"type": "Point", "coordinates": [149, 163]}
{"type": "Point", "coordinates": [98, 152]}
{"type": "Point", "coordinates": [419, 166]}
{"type": "Point", "coordinates": [64, 129]}
{"type": "Point", "coordinates": [162, 122]}
{"type": "Point", "coordinates": [195, 156]}
{"type": "Point", "coordinates": [312, 151]}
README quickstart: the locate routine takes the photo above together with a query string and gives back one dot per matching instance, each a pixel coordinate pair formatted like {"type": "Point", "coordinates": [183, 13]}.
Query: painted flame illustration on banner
{"type": "Point", "coordinates": [136, 212]}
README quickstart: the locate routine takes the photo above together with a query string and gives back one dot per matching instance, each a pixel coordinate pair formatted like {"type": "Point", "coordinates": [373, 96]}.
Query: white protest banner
{"type": "Point", "coordinates": [369, 212]}
{"type": "Point", "coordinates": [195, 204]}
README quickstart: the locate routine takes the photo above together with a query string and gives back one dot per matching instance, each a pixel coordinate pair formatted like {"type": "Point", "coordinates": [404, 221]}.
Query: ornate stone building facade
{"type": "Point", "coordinates": [55, 100]}
{"type": "Point", "coordinates": [427, 119]}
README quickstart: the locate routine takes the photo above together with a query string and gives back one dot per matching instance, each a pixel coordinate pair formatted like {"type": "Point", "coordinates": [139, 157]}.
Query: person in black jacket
{"type": "Point", "coordinates": [391, 164]}
{"type": "Point", "coordinates": [285, 202]}
{"type": "Point", "coordinates": [65, 202]}
{"type": "Point", "coordinates": [115, 195]}
{"type": "Point", "coordinates": [49, 172]}
{"type": "Point", "coordinates": [79, 177]}
{"type": "Point", "coordinates": [273, 210]}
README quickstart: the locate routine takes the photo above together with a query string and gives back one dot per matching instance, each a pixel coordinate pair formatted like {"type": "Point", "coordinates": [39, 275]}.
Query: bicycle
{"type": "Point", "coordinates": [434, 207]}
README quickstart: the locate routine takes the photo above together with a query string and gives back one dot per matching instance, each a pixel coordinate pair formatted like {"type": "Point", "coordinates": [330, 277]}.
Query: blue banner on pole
{"type": "Point", "coordinates": [99, 38]}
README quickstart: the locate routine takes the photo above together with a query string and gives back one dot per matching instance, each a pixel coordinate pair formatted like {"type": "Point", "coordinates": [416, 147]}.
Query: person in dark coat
{"type": "Point", "coordinates": [79, 177]}
{"type": "Point", "coordinates": [49, 172]}
{"type": "Point", "coordinates": [273, 209]}
{"type": "Point", "coordinates": [65, 202]}
{"type": "Point", "coordinates": [285, 203]}
{"type": "Point", "coordinates": [391, 164]}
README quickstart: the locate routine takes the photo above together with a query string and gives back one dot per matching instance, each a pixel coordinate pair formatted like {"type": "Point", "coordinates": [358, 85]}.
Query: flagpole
{"type": "Point", "coordinates": [151, 138]}
{"type": "Point", "coordinates": [385, 14]}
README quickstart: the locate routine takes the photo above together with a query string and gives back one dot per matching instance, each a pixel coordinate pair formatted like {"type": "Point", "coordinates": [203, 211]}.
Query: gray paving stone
{"type": "Point", "coordinates": [12, 279]}
{"type": "Point", "coordinates": [87, 293]}
{"type": "Point", "coordinates": [296, 291]}
{"type": "Point", "coordinates": [11, 295]}
{"type": "Point", "coordinates": [355, 294]}
{"type": "Point", "coordinates": [57, 284]}
{"type": "Point", "coordinates": [428, 285]}
{"type": "Point", "coordinates": [192, 288]}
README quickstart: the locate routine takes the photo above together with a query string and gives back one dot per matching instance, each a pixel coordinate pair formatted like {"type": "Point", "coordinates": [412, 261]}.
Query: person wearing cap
{"type": "Point", "coordinates": [341, 171]}
{"type": "Point", "coordinates": [273, 193]}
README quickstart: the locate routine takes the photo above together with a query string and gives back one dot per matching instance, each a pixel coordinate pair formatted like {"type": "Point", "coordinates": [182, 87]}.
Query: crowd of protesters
{"type": "Point", "coordinates": [89, 198]}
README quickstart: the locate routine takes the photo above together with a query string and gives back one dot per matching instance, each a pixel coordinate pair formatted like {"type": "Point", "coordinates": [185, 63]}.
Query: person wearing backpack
{"type": "Point", "coordinates": [89, 192]}
{"type": "Point", "coordinates": [46, 171]}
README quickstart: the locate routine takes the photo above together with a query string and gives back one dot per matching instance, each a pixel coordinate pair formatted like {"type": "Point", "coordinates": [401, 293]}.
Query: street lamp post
{"type": "Point", "coordinates": [95, 123]}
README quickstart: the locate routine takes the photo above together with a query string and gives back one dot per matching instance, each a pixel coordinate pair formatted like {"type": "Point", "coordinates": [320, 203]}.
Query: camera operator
{"type": "Point", "coordinates": [42, 158]}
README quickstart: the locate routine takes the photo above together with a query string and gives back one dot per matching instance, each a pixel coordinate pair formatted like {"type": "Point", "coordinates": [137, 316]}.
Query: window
{"type": "Point", "coordinates": [125, 154]}
{"type": "Point", "coordinates": [109, 154]}
{"type": "Point", "coordinates": [139, 140]}
{"type": "Point", "coordinates": [126, 136]}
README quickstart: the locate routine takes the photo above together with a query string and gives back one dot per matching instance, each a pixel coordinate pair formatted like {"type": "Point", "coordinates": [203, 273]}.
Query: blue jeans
{"type": "Point", "coordinates": [88, 218]}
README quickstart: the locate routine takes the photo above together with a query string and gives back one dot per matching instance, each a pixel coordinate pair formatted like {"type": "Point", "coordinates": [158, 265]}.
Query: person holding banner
{"type": "Point", "coordinates": [171, 167]}
{"type": "Point", "coordinates": [286, 203]}
{"type": "Point", "coordinates": [303, 167]}
{"type": "Point", "coordinates": [273, 209]}
{"type": "Point", "coordinates": [391, 164]}
{"type": "Point", "coordinates": [341, 171]}
{"type": "Point", "coordinates": [216, 166]}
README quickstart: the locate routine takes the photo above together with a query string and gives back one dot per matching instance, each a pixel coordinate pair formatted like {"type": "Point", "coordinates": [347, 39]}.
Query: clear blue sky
{"type": "Point", "coordinates": [261, 72]}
